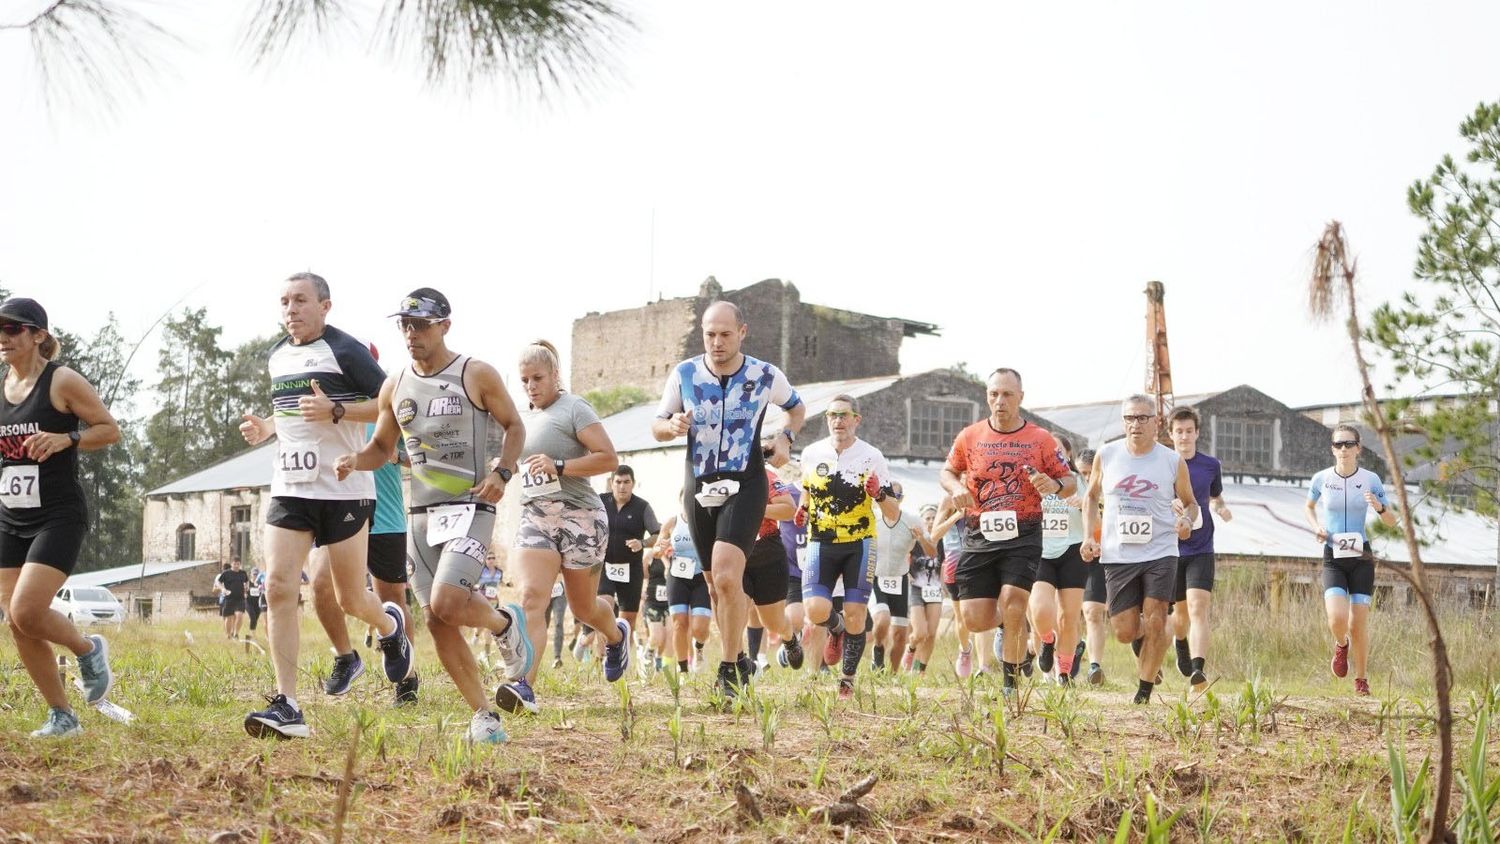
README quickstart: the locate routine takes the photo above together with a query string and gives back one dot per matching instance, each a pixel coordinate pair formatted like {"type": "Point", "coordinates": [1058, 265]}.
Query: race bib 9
{"type": "Point", "coordinates": [448, 522]}
{"type": "Point", "coordinates": [1055, 525]}
{"type": "Point", "coordinates": [617, 572]}
{"type": "Point", "coordinates": [1133, 530]}
{"type": "Point", "coordinates": [716, 493]}
{"type": "Point", "coordinates": [999, 525]}
{"type": "Point", "coordinates": [20, 486]}
{"type": "Point", "coordinates": [297, 461]}
{"type": "Point", "coordinates": [682, 567]}
{"type": "Point", "coordinates": [1347, 545]}
{"type": "Point", "coordinates": [536, 484]}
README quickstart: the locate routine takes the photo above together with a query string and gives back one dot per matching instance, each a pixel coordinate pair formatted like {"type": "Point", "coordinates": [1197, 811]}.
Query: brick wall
{"type": "Point", "coordinates": [210, 514]}
{"type": "Point", "coordinates": [1303, 442]}
{"type": "Point", "coordinates": [810, 343]}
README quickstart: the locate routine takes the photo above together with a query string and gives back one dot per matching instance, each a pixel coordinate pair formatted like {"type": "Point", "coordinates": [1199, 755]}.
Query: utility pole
{"type": "Point", "coordinates": [1158, 362]}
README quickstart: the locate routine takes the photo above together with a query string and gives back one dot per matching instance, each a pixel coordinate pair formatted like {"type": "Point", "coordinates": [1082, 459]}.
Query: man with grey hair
{"type": "Point", "coordinates": [323, 383]}
{"type": "Point", "coordinates": [718, 401]}
{"type": "Point", "coordinates": [1138, 480]}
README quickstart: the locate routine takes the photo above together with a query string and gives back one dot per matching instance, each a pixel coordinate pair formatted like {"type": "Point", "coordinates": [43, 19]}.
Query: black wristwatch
{"type": "Point", "coordinates": [790, 437]}
{"type": "Point", "coordinates": [338, 412]}
{"type": "Point", "coordinates": [558, 465]}
{"type": "Point", "coordinates": [504, 473]}
{"type": "Point", "coordinates": [75, 437]}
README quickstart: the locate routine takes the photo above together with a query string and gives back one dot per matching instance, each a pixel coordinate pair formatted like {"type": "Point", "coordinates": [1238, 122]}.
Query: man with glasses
{"type": "Point", "coordinates": [718, 401]}
{"type": "Point", "coordinates": [323, 384]}
{"type": "Point", "coordinates": [997, 472]}
{"type": "Point", "coordinates": [1138, 479]}
{"type": "Point", "coordinates": [843, 477]}
{"type": "Point", "coordinates": [441, 406]}
{"type": "Point", "coordinates": [1348, 494]}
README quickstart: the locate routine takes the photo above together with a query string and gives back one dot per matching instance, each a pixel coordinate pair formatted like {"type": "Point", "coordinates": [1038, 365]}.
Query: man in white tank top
{"type": "Point", "coordinates": [1138, 478]}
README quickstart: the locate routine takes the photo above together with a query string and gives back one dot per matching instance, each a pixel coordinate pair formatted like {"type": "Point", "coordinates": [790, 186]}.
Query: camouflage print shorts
{"type": "Point", "coordinates": [579, 534]}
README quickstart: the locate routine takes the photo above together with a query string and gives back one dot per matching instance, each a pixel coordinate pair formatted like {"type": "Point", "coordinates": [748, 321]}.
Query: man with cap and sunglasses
{"type": "Point", "coordinates": [43, 514]}
{"type": "Point", "coordinates": [323, 383]}
{"type": "Point", "coordinates": [441, 406]}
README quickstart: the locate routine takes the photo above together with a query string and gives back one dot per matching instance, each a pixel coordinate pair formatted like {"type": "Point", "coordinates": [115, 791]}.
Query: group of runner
{"type": "Point", "coordinates": [1034, 548]}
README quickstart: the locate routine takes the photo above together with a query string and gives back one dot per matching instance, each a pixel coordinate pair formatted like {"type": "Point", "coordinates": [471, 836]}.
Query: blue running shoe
{"type": "Point", "coordinates": [516, 696]}
{"type": "Point", "coordinates": [346, 669]}
{"type": "Point", "coordinates": [60, 723]}
{"type": "Point", "coordinates": [93, 671]}
{"type": "Point", "coordinates": [617, 656]}
{"type": "Point", "coordinates": [395, 649]}
{"type": "Point", "coordinates": [514, 644]}
{"type": "Point", "coordinates": [279, 719]}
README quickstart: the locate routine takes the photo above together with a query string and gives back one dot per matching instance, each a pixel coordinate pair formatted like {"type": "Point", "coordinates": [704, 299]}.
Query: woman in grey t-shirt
{"type": "Point", "coordinates": [563, 525]}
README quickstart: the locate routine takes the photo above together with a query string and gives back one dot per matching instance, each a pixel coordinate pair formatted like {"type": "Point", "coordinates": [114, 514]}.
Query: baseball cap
{"type": "Point", "coordinates": [425, 303]}
{"type": "Point", "coordinates": [23, 310]}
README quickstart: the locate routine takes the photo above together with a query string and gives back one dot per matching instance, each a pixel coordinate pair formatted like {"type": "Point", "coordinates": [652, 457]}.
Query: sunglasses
{"type": "Point", "coordinates": [11, 329]}
{"type": "Point", "coordinates": [415, 323]}
{"type": "Point", "coordinates": [840, 414]}
{"type": "Point", "coordinates": [1346, 443]}
{"type": "Point", "coordinates": [1139, 418]}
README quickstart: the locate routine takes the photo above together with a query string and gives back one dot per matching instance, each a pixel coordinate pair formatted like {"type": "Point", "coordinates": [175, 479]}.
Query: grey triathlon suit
{"type": "Point", "coordinates": [445, 436]}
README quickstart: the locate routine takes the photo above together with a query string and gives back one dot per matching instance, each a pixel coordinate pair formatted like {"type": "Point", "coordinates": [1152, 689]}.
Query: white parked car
{"type": "Point", "coordinates": [89, 605]}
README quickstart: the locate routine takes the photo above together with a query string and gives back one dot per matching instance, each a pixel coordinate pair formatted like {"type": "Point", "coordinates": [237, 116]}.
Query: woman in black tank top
{"type": "Point", "coordinates": [43, 516]}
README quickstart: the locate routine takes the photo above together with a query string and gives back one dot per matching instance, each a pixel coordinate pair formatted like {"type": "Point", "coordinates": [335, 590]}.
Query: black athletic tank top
{"type": "Point", "coordinates": [53, 485]}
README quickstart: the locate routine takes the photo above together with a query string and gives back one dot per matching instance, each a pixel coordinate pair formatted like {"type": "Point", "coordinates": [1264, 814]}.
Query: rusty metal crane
{"type": "Point", "coordinates": [1158, 362]}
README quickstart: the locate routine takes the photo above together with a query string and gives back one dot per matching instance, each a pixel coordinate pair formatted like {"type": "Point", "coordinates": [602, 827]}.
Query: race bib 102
{"type": "Point", "coordinates": [1133, 530]}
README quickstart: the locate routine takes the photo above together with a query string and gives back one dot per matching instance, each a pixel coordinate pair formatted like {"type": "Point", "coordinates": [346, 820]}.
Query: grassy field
{"type": "Point", "coordinates": [1276, 750]}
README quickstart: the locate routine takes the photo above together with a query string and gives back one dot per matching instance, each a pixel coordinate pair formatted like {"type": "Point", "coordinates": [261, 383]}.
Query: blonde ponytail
{"type": "Point", "coordinates": [49, 348]}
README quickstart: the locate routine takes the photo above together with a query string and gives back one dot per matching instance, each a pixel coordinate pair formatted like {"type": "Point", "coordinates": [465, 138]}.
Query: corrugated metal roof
{"type": "Point", "coordinates": [250, 468]}
{"type": "Point", "coordinates": [122, 574]}
{"type": "Point", "coordinates": [1099, 421]}
{"type": "Point", "coordinates": [1267, 521]}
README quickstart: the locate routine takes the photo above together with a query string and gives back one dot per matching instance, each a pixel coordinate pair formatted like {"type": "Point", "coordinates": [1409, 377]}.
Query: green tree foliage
{"type": "Point", "coordinates": [608, 401]}
{"type": "Point", "coordinates": [1441, 335]}
{"type": "Point", "coordinates": [111, 477]}
{"type": "Point", "coordinates": [201, 392]}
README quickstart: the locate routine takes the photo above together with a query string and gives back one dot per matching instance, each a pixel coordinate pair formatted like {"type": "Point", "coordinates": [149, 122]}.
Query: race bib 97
{"type": "Point", "coordinates": [448, 522]}
{"type": "Point", "coordinates": [999, 525]}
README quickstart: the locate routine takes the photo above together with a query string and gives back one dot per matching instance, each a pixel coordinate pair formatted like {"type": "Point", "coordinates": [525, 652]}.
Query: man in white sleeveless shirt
{"type": "Point", "coordinates": [1138, 478]}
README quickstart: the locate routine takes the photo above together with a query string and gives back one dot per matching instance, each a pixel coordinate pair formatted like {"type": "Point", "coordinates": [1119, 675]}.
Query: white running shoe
{"type": "Point", "coordinates": [514, 644]}
{"type": "Point", "coordinates": [486, 728]}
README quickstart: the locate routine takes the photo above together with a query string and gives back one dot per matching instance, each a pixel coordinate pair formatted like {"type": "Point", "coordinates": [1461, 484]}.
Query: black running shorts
{"type": "Point", "coordinates": [330, 522]}
{"type": "Point", "coordinates": [765, 571]}
{"type": "Point", "coordinates": [55, 545]}
{"type": "Point", "coordinates": [1067, 571]}
{"type": "Point", "coordinates": [982, 574]}
{"type": "Point", "coordinates": [1194, 571]}
{"type": "Point", "coordinates": [387, 558]}
{"type": "Point", "coordinates": [737, 522]}
{"type": "Point", "coordinates": [627, 595]}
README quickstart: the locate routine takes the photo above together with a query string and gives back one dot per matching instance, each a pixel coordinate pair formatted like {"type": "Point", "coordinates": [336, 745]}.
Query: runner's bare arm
{"type": "Point", "coordinates": [956, 489]}
{"type": "Point", "coordinates": [929, 546]}
{"type": "Point", "coordinates": [1311, 514]}
{"type": "Point", "coordinates": [72, 393]}
{"type": "Point", "coordinates": [1090, 549]}
{"type": "Point", "coordinates": [319, 407]}
{"type": "Point", "coordinates": [1221, 509]}
{"type": "Point", "coordinates": [382, 446]}
{"type": "Point", "coordinates": [796, 417]}
{"type": "Point", "coordinates": [779, 509]}
{"type": "Point", "coordinates": [601, 457]}
{"type": "Point", "coordinates": [1184, 490]}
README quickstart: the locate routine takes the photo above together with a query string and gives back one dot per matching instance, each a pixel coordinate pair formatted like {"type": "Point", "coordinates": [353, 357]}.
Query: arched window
{"type": "Point", "coordinates": [187, 542]}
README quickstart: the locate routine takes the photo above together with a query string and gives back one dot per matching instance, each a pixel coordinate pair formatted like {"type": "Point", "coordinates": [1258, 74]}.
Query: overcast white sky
{"type": "Point", "coordinates": [1012, 173]}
